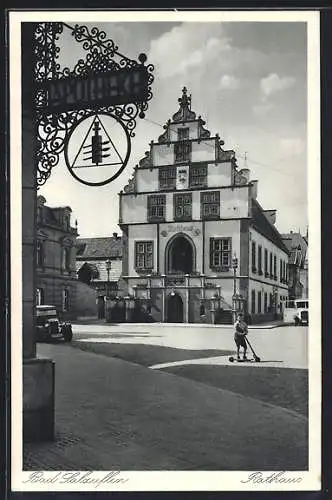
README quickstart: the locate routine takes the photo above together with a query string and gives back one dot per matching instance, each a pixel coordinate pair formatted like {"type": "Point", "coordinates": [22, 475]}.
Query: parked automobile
{"type": "Point", "coordinates": [49, 326]}
{"type": "Point", "coordinates": [297, 311]}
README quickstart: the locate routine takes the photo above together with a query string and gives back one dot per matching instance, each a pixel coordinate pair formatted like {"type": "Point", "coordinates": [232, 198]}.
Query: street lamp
{"type": "Point", "coordinates": [108, 264]}
{"type": "Point", "coordinates": [234, 266]}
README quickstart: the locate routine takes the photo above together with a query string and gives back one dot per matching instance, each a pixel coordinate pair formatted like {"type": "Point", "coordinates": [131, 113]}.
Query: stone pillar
{"type": "Point", "coordinates": [187, 282]}
{"type": "Point", "coordinates": [163, 318]}
{"type": "Point", "coordinates": [38, 374]}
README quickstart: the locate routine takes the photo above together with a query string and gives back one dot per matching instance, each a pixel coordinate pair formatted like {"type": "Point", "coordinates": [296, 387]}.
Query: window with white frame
{"type": "Point", "coordinates": [156, 207]}
{"type": "Point", "coordinates": [210, 205]}
{"type": "Point", "coordinates": [143, 255]}
{"type": "Point", "coordinates": [183, 133]}
{"type": "Point", "coordinates": [220, 253]}
{"type": "Point", "coordinates": [66, 261]}
{"type": "Point", "coordinates": [167, 177]}
{"type": "Point", "coordinates": [182, 151]}
{"type": "Point", "coordinates": [198, 176]}
{"type": "Point", "coordinates": [182, 206]}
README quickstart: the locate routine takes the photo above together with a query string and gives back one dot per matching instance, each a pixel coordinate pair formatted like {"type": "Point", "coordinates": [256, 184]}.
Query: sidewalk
{"type": "Point", "coordinates": [116, 415]}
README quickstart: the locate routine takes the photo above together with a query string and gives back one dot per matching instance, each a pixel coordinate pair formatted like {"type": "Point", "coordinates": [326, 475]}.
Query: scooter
{"type": "Point", "coordinates": [256, 358]}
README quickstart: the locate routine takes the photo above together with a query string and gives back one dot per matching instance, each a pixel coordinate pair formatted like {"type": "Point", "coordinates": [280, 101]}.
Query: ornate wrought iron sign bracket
{"type": "Point", "coordinates": [106, 83]}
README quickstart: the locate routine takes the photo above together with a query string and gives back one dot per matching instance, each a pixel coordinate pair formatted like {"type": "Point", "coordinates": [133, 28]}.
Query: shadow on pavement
{"type": "Point", "coordinates": [284, 387]}
{"type": "Point", "coordinates": [147, 355]}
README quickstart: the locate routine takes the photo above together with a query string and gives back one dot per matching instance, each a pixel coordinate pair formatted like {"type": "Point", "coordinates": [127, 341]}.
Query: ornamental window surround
{"type": "Point", "coordinates": [182, 151]}
{"type": "Point", "coordinates": [220, 253]}
{"type": "Point", "coordinates": [156, 208]}
{"type": "Point", "coordinates": [167, 177]}
{"type": "Point", "coordinates": [182, 206]}
{"type": "Point", "coordinates": [198, 176]}
{"type": "Point", "coordinates": [210, 205]}
{"type": "Point", "coordinates": [143, 255]}
{"type": "Point", "coordinates": [183, 133]}
{"type": "Point", "coordinates": [66, 258]}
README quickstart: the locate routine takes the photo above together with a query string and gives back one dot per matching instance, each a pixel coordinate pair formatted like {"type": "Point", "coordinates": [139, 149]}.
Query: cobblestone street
{"type": "Point", "coordinates": [112, 413]}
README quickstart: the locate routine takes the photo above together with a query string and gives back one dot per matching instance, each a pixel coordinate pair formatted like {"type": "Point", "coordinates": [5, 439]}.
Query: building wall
{"type": "Point", "coordinates": [56, 275]}
{"type": "Point", "coordinates": [261, 283]}
{"type": "Point", "coordinates": [234, 203]}
{"type": "Point", "coordinates": [233, 221]}
{"type": "Point", "coordinates": [86, 302]}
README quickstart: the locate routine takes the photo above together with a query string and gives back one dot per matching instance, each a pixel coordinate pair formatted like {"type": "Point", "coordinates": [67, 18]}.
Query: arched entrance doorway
{"type": "Point", "coordinates": [180, 256]}
{"type": "Point", "coordinates": [174, 308]}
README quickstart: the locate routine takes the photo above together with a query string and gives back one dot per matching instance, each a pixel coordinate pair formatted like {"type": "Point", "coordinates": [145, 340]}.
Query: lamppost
{"type": "Point", "coordinates": [108, 264]}
{"type": "Point", "coordinates": [234, 266]}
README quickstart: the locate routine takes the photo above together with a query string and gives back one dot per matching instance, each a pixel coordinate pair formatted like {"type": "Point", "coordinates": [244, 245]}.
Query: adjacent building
{"type": "Point", "coordinates": [56, 249]}
{"type": "Point", "coordinates": [196, 244]}
{"type": "Point", "coordinates": [297, 264]}
{"type": "Point", "coordinates": [99, 265]}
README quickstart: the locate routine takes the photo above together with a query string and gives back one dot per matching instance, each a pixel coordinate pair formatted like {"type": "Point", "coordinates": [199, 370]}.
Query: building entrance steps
{"type": "Point", "coordinates": [121, 415]}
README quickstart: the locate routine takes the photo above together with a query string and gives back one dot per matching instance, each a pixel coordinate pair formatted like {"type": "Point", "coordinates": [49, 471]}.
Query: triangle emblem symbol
{"type": "Point", "coordinates": [97, 148]}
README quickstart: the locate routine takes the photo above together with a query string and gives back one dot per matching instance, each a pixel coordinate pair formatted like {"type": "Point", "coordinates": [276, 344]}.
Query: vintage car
{"type": "Point", "coordinates": [296, 311]}
{"type": "Point", "coordinates": [49, 326]}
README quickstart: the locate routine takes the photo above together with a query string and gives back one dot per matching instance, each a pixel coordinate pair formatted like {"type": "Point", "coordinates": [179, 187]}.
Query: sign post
{"type": "Point", "coordinates": [54, 102]}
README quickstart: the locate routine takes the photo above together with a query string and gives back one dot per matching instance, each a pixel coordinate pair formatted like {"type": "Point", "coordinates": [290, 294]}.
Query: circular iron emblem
{"type": "Point", "coordinates": [97, 149]}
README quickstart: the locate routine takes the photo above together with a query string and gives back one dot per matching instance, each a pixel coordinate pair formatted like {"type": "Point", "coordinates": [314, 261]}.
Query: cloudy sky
{"type": "Point", "coordinates": [247, 80]}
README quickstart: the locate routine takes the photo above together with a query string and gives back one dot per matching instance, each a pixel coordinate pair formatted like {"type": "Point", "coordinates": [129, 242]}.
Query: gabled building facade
{"type": "Point", "coordinates": [297, 264]}
{"type": "Point", "coordinates": [56, 249]}
{"type": "Point", "coordinates": [99, 265]}
{"type": "Point", "coordinates": [196, 242]}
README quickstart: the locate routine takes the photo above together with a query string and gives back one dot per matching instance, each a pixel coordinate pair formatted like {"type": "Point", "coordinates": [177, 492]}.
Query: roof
{"type": "Point", "coordinates": [264, 226]}
{"type": "Point", "coordinates": [98, 248]}
{"type": "Point", "coordinates": [297, 247]}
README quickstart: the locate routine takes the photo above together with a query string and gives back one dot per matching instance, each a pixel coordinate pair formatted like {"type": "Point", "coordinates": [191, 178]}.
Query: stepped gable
{"type": "Point", "coordinates": [185, 114]}
{"type": "Point", "coordinates": [297, 247]}
{"type": "Point", "coordinates": [262, 224]}
{"type": "Point", "coordinates": [99, 248]}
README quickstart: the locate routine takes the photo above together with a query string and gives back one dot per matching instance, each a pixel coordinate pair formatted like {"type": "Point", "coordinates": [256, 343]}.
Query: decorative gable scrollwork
{"type": "Point", "coordinates": [184, 113]}
{"type": "Point", "coordinates": [146, 161]}
{"type": "Point", "coordinates": [203, 133]}
{"type": "Point", "coordinates": [131, 186]}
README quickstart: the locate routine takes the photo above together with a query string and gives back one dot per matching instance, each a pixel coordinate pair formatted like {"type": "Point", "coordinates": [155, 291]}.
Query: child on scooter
{"type": "Point", "coordinates": [241, 330]}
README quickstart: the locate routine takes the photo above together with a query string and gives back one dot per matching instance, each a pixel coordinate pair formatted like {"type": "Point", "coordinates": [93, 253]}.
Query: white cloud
{"type": "Point", "coordinates": [262, 109]}
{"type": "Point", "coordinates": [229, 82]}
{"type": "Point", "coordinates": [274, 83]}
{"type": "Point", "coordinates": [188, 46]}
{"type": "Point", "coordinates": [292, 145]}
